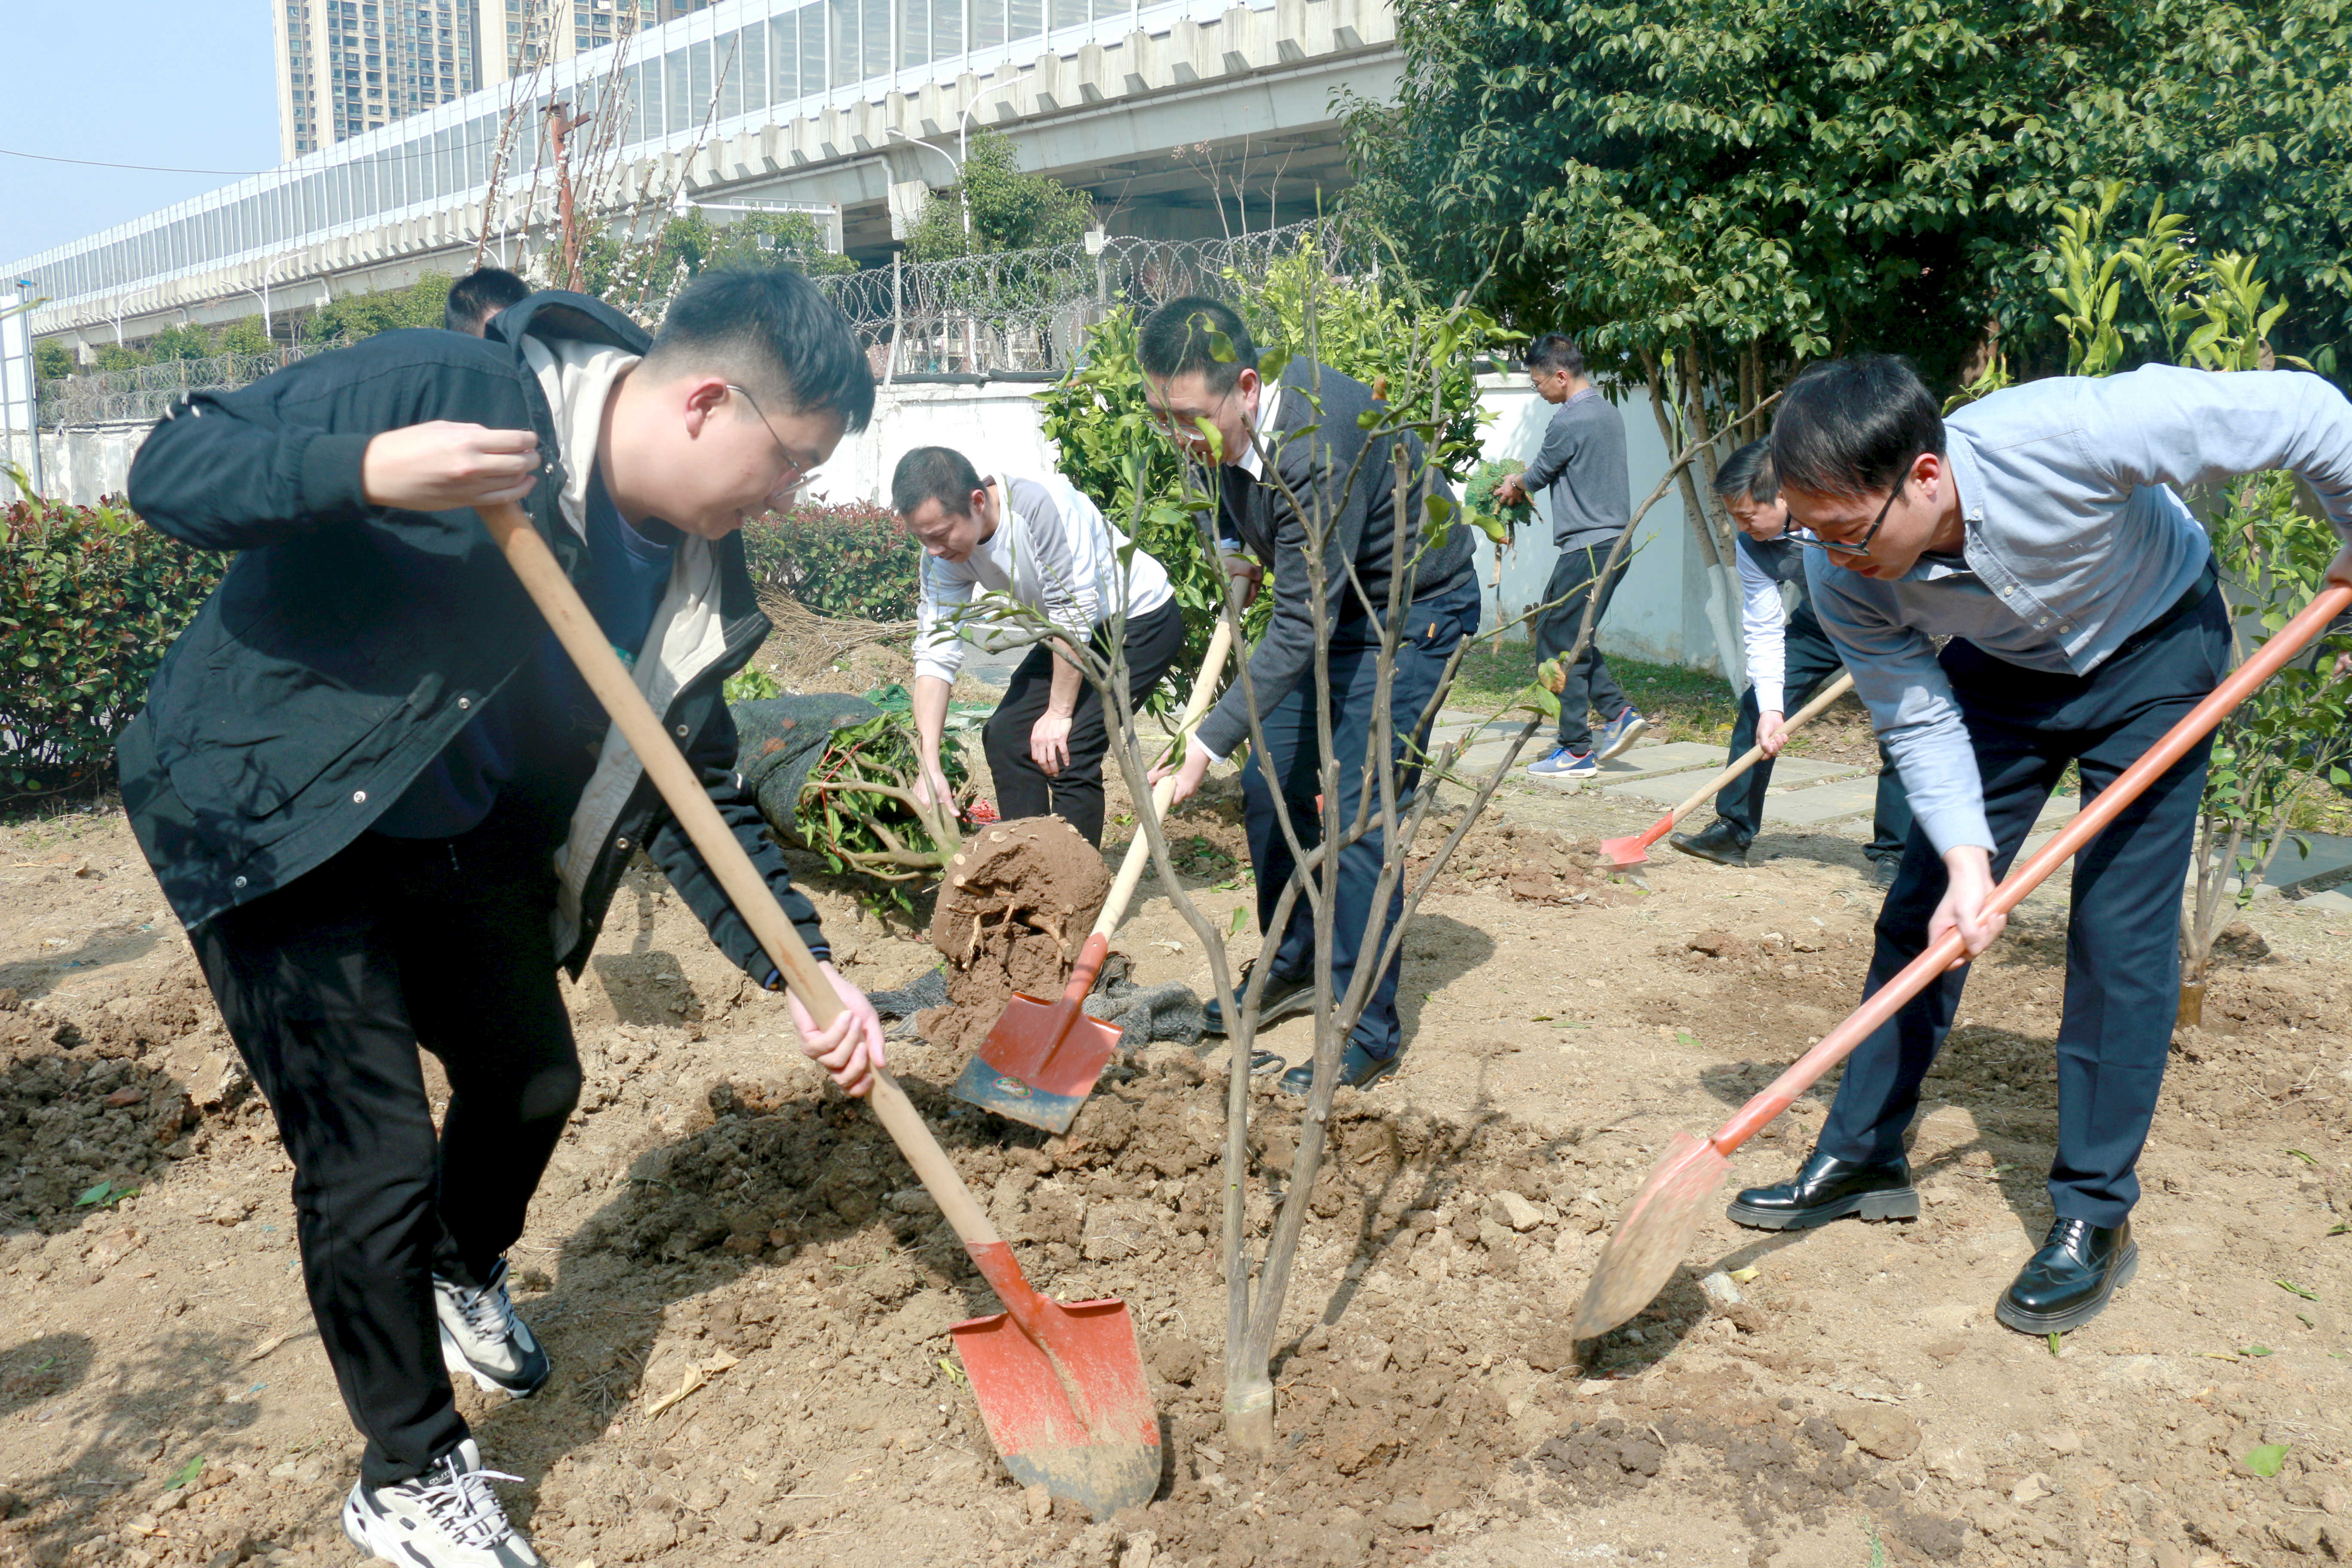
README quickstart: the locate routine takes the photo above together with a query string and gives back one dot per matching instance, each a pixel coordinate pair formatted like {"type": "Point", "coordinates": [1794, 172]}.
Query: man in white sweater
{"type": "Point", "coordinates": [1789, 657]}
{"type": "Point", "coordinates": [1040, 545]}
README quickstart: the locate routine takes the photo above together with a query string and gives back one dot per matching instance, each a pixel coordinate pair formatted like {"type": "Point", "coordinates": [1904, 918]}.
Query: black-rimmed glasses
{"type": "Point", "coordinates": [1860, 546]}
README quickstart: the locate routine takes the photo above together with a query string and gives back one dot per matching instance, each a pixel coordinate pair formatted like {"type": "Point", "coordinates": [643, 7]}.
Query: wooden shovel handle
{"type": "Point", "coordinates": [1139, 852]}
{"type": "Point", "coordinates": [1754, 754]}
{"type": "Point", "coordinates": [585, 640]}
{"type": "Point", "coordinates": [1917, 976]}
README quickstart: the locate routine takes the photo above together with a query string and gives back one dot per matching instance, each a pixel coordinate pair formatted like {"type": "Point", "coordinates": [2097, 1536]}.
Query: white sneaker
{"type": "Point", "coordinates": [445, 1518]}
{"type": "Point", "coordinates": [481, 1336]}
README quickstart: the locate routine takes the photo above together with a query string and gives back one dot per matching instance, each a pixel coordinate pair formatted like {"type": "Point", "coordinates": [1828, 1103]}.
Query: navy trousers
{"type": "Point", "coordinates": [1812, 659]}
{"type": "Point", "coordinates": [2123, 953]}
{"type": "Point", "coordinates": [1292, 763]}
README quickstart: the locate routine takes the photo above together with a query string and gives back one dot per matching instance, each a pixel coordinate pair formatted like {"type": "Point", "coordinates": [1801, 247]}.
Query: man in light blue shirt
{"type": "Point", "coordinates": [2039, 531]}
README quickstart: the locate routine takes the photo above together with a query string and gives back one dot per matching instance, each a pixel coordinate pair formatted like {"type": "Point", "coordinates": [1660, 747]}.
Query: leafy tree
{"type": "Point", "coordinates": [52, 361]}
{"type": "Point", "coordinates": [1010, 210]}
{"type": "Point", "coordinates": [356, 316]}
{"type": "Point", "coordinates": [245, 335]}
{"type": "Point", "coordinates": [1709, 193]}
{"type": "Point", "coordinates": [118, 356]}
{"type": "Point", "coordinates": [181, 342]}
{"type": "Point", "coordinates": [642, 277]}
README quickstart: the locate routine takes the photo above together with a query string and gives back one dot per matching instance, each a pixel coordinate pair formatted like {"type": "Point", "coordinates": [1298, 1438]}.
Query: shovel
{"type": "Point", "coordinates": [1633, 851]}
{"type": "Point", "coordinates": [1665, 1214]}
{"type": "Point", "coordinates": [1061, 1388]}
{"type": "Point", "coordinates": [1040, 1062]}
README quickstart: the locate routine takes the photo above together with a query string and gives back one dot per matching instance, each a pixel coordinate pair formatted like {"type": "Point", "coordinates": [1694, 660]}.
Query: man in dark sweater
{"type": "Point", "coordinates": [387, 808]}
{"type": "Point", "coordinates": [1582, 466]}
{"type": "Point", "coordinates": [1294, 455]}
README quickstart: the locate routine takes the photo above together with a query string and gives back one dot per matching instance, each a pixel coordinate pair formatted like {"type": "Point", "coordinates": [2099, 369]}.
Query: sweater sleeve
{"type": "Point", "coordinates": [1552, 458]}
{"type": "Point", "coordinates": [938, 647]}
{"type": "Point", "coordinates": [1763, 626]}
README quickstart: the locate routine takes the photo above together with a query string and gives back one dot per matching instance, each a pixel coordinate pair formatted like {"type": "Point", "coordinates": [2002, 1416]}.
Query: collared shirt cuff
{"type": "Point", "coordinates": [1770, 698]}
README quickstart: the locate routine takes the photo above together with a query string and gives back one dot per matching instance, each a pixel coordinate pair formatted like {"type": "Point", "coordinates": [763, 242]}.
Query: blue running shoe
{"type": "Point", "coordinates": [1564, 764]}
{"type": "Point", "coordinates": [1618, 734]}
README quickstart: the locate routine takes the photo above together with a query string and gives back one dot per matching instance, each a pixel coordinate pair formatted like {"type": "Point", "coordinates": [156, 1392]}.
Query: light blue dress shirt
{"type": "Point", "coordinates": [2075, 539]}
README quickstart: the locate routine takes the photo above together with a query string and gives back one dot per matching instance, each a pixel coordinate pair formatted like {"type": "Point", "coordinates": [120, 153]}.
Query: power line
{"type": "Point", "coordinates": [143, 168]}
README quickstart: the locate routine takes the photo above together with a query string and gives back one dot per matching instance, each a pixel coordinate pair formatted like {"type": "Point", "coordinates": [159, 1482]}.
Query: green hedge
{"type": "Point", "coordinates": [852, 562]}
{"type": "Point", "coordinates": [90, 599]}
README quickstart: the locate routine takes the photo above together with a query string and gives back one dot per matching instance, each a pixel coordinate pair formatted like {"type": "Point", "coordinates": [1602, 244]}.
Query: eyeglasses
{"type": "Point", "coordinates": [1859, 546]}
{"type": "Point", "coordinates": [796, 470]}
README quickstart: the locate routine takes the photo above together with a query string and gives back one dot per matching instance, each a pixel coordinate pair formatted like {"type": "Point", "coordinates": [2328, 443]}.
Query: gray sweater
{"type": "Point", "coordinates": [1583, 463]}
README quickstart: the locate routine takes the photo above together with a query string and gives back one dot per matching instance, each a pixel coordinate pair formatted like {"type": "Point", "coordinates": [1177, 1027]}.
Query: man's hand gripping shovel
{"type": "Point", "coordinates": [1665, 1214]}
{"type": "Point", "coordinates": [1062, 1388]}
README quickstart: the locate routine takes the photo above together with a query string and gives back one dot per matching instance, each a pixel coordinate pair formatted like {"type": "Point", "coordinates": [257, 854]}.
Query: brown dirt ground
{"type": "Point", "coordinates": [746, 1297]}
{"type": "Point", "coordinates": [1019, 900]}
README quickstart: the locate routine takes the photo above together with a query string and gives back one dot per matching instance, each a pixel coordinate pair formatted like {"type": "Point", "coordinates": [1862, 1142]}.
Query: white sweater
{"type": "Point", "coordinates": [1053, 551]}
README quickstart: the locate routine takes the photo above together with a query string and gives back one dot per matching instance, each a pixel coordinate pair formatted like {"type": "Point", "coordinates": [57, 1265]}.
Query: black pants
{"type": "Point", "coordinates": [329, 987]}
{"type": "Point", "coordinates": [1810, 660]}
{"type": "Point", "coordinates": [1153, 641]}
{"type": "Point", "coordinates": [1294, 763]}
{"type": "Point", "coordinates": [1576, 578]}
{"type": "Point", "coordinates": [2123, 952]}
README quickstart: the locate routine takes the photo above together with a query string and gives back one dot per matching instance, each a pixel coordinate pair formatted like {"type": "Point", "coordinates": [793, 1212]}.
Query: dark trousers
{"type": "Point", "coordinates": [1812, 661]}
{"type": "Point", "coordinates": [1293, 761]}
{"type": "Point", "coordinates": [1153, 643]}
{"type": "Point", "coordinates": [1577, 578]}
{"type": "Point", "coordinates": [329, 987]}
{"type": "Point", "coordinates": [2123, 955]}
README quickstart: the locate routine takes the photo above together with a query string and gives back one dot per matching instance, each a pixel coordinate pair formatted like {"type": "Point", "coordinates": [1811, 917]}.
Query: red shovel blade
{"type": "Point", "coordinates": [1653, 1236]}
{"type": "Point", "coordinates": [1078, 1422]}
{"type": "Point", "coordinates": [1635, 849]}
{"type": "Point", "coordinates": [1039, 1063]}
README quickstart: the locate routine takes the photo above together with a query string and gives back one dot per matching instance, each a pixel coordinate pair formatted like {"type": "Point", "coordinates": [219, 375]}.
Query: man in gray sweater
{"type": "Point", "coordinates": [1581, 464]}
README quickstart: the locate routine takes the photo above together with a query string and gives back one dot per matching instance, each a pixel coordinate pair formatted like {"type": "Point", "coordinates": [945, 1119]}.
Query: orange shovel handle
{"type": "Point", "coordinates": [1840, 1042]}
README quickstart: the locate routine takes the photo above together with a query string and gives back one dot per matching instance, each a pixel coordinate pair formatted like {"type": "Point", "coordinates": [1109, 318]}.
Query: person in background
{"type": "Point", "coordinates": [1582, 465]}
{"type": "Point", "coordinates": [2039, 531]}
{"type": "Point", "coordinates": [479, 295]}
{"type": "Point", "coordinates": [1040, 545]}
{"type": "Point", "coordinates": [1789, 657]}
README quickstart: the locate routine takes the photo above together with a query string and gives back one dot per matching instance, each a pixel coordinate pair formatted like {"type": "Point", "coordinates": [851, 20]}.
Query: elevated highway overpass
{"type": "Point", "coordinates": [828, 102]}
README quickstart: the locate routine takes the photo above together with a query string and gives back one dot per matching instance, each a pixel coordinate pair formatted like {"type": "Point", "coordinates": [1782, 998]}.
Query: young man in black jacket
{"type": "Point", "coordinates": [1292, 454]}
{"type": "Point", "coordinates": [387, 808]}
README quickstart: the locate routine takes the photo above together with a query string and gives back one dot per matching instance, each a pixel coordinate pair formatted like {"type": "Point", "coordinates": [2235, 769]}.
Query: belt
{"type": "Point", "coordinates": [2195, 595]}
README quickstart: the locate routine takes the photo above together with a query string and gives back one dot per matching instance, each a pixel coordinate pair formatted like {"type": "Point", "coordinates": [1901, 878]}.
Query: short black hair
{"type": "Point", "coordinates": [1850, 427]}
{"type": "Point", "coordinates": [1554, 350]}
{"type": "Point", "coordinates": [934, 473]}
{"type": "Point", "coordinates": [1178, 338]}
{"type": "Point", "coordinates": [768, 330]}
{"type": "Point", "coordinates": [479, 295]}
{"type": "Point", "coordinates": [1750, 472]}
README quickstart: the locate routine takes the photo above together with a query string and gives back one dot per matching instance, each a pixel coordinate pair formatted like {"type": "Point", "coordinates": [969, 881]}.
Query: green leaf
{"type": "Point", "coordinates": [1241, 919]}
{"type": "Point", "coordinates": [2267, 1460]}
{"type": "Point", "coordinates": [2257, 1350]}
{"type": "Point", "coordinates": [2055, 1338]}
{"type": "Point", "coordinates": [2291, 1289]}
{"type": "Point", "coordinates": [187, 1473]}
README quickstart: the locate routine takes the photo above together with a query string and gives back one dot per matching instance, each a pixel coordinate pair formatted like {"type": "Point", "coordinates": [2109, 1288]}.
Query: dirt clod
{"type": "Point", "coordinates": [1015, 908]}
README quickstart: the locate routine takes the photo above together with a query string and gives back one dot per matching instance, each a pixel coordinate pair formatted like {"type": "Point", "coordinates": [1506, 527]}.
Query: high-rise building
{"type": "Point", "coordinates": [526, 33]}
{"type": "Point", "coordinates": [349, 66]}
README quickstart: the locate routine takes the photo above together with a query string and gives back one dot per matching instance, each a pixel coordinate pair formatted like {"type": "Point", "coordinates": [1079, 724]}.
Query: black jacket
{"type": "Point", "coordinates": [1327, 459]}
{"type": "Point", "coordinates": [347, 644]}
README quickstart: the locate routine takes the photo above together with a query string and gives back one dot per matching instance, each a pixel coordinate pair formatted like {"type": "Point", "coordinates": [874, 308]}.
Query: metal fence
{"type": "Point", "coordinates": [1027, 311]}
{"type": "Point", "coordinates": [1022, 311]}
{"type": "Point", "coordinates": [147, 392]}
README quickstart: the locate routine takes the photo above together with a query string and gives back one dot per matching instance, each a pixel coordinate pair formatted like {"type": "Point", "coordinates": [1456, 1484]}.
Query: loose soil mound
{"type": "Point", "coordinates": [1016, 907]}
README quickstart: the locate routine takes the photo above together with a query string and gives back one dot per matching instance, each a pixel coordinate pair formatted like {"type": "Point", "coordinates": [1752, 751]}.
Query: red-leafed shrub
{"type": "Point", "coordinates": [852, 562]}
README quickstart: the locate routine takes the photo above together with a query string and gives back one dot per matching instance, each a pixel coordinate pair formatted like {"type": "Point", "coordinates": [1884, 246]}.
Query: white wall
{"type": "Point", "coordinates": [1659, 614]}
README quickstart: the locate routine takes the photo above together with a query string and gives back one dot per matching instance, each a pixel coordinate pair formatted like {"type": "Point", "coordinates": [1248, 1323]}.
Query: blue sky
{"type": "Point", "coordinates": [180, 82]}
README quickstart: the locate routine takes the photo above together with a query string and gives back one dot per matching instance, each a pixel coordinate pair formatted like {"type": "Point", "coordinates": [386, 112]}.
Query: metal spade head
{"type": "Point", "coordinates": [1077, 1420]}
{"type": "Point", "coordinates": [1653, 1237]}
{"type": "Point", "coordinates": [1039, 1063]}
{"type": "Point", "coordinates": [1630, 850]}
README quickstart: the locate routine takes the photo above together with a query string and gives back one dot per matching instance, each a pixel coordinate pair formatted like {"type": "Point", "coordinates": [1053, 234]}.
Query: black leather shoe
{"type": "Point", "coordinates": [1282, 998]}
{"type": "Point", "coordinates": [2068, 1282]}
{"type": "Point", "coordinates": [1358, 1068]}
{"type": "Point", "coordinates": [1826, 1188]}
{"type": "Point", "coordinates": [1719, 842]}
{"type": "Point", "coordinates": [1882, 870]}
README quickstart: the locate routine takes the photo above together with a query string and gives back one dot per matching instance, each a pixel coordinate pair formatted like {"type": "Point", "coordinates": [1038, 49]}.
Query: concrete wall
{"type": "Point", "coordinates": [1660, 612]}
